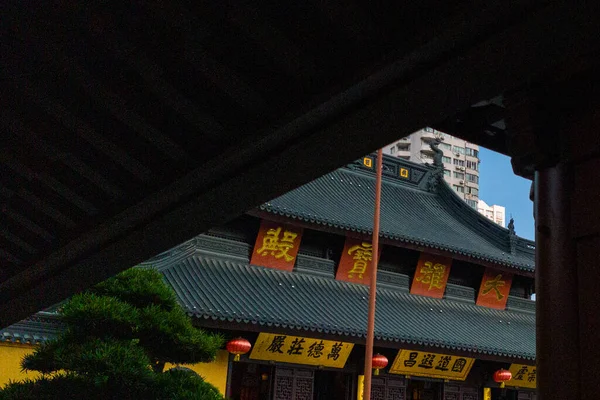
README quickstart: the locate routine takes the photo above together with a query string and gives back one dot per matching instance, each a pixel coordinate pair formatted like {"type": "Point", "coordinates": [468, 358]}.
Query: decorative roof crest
{"type": "Point", "coordinates": [512, 236]}
{"type": "Point", "coordinates": [437, 174]}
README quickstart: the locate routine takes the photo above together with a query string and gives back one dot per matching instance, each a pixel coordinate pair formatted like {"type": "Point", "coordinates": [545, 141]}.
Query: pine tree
{"type": "Point", "coordinates": [119, 336]}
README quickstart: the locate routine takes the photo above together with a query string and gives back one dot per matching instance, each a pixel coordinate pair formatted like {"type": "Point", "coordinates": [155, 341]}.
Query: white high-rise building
{"type": "Point", "coordinates": [461, 159]}
{"type": "Point", "coordinates": [495, 213]}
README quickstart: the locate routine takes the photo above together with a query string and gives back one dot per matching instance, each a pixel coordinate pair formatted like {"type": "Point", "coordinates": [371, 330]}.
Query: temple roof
{"type": "Point", "coordinates": [38, 328]}
{"type": "Point", "coordinates": [410, 212]}
{"type": "Point", "coordinates": [230, 290]}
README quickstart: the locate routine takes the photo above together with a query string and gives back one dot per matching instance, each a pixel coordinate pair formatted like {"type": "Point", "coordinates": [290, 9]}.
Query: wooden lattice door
{"type": "Point", "coordinates": [293, 384]}
{"type": "Point", "coordinates": [523, 395]}
{"type": "Point", "coordinates": [460, 392]}
{"type": "Point", "coordinates": [383, 388]}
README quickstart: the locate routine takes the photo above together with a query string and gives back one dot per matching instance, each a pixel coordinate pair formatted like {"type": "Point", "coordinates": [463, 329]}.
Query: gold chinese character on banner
{"type": "Point", "coordinates": [278, 247]}
{"type": "Point", "coordinates": [495, 285]}
{"type": "Point", "coordinates": [433, 275]}
{"type": "Point", "coordinates": [494, 289]}
{"type": "Point", "coordinates": [361, 254]}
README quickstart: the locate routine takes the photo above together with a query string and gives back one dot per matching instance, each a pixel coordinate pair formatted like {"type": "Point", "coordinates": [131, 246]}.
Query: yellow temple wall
{"type": "Point", "coordinates": [10, 362]}
{"type": "Point", "coordinates": [12, 354]}
{"type": "Point", "coordinates": [214, 372]}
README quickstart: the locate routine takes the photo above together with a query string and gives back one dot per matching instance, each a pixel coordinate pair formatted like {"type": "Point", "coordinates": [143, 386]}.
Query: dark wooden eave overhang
{"type": "Point", "coordinates": [129, 128]}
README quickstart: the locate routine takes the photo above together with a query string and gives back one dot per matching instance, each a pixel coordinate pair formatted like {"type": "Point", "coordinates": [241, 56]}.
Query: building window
{"type": "Point", "coordinates": [446, 160]}
{"type": "Point", "coordinates": [489, 214]}
{"type": "Point", "coordinates": [472, 165]}
{"type": "Point", "coordinates": [472, 152]}
{"type": "Point", "coordinates": [472, 203]}
{"type": "Point", "coordinates": [459, 175]}
{"type": "Point", "coordinates": [473, 191]}
{"type": "Point", "coordinates": [393, 150]}
{"type": "Point", "coordinates": [457, 149]}
{"type": "Point", "coordinates": [447, 172]}
{"type": "Point", "coordinates": [458, 162]}
{"type": "Point", "coordinates": [428, 129]}
{"type": "Point", "coordinates": [459, 189]}
{"type": "Point", "coordinates": [445, 146]}
{"type": "Point", "coordinates": [472, 178]}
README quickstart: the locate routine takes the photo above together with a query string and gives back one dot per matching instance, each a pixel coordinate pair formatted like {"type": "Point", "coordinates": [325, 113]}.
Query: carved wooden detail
{"type": "Point", "coordinates": [293, 384]}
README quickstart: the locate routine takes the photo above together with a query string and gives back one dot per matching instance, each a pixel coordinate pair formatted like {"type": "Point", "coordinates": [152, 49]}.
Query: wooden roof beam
{"type": "Point", "coordinates": [46, 180]}
{"type": "Point", "coordinates": [44, 207]}
{"type": "Point", "coordinates": [103, 29]}
{"type": "Point", "coordinates": [37, 93]}
{"type": "Point", "coordinates": [475, 125]}
{"type": "Point", "coordinates": [23, 245]}
{"type": "Point", "coordinates": [282, 51]}
{"type": "Point", "coordinates": [41, 146]}
{"type": "Point", "coordinates": [56, 55]}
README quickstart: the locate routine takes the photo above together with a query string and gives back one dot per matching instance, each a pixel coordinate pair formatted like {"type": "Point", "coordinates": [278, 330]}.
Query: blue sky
{"type": "Point", "coordinates": [499, 185]}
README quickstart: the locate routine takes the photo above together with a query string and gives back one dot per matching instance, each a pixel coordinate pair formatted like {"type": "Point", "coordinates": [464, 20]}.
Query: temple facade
{"type": "Point", "coordinates": [292, 277]}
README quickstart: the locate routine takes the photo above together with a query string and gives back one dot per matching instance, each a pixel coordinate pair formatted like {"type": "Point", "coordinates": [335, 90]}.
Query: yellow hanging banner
{"type": "Point", "coordinates": [523, 376]}
{"type": "Point", "coordinates": [301, 350]}
{"type": "Point", "coordinates": [432, 365]}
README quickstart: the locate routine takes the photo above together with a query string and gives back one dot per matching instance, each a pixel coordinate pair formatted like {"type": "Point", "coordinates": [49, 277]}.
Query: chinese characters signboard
{"type": "Point", "coordinates": [276, 246]}
{"type": "Point", "coordinates": [523, 376]}
{"type": "Point", "coordinates": [494, 290]}
{"type": "Point", "coordinates": [431, 276]}
{"type": "Point", "coordinates": [355, 263]}
{"type": "Point", "coordinates": [433, 365]}
{"type": "Point", "coordinates": [301, 350]}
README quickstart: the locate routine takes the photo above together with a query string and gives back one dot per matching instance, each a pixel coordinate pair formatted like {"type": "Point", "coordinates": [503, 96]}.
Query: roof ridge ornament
{"type": "Point", "coordinates": [437, 175]}
{"type": "Point", "coordinates": [512, 236]}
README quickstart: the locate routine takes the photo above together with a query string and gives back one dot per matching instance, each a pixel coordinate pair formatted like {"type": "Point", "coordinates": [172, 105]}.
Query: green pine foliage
{"type": "Point", "coordinates": [119, 336]}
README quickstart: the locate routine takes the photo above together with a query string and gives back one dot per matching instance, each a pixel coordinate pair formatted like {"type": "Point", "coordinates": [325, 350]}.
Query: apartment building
{"type": "Point", "coordinates": [461, 159]}
{"type": "Point", "coordinates": [494, 212]}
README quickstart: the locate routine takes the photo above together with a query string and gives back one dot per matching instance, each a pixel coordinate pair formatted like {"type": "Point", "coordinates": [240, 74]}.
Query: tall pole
{"type": "Point", "coordinates": [373, 287]}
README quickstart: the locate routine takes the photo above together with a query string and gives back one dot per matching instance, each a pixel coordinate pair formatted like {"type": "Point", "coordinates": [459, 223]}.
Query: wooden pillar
{"type": "Point", "coordinates": [585, 236]}
{"type": "Point", "coordinates": [567, 208]}
{"type": "Point", "coordinates": [556, 132]}
{"type": "Point", "coordinates": [557, 298]}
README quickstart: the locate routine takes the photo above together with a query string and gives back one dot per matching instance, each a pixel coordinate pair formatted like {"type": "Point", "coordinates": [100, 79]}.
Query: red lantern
{"type": "Point", "coordinates": [502, 376]}
{"type": "Point", "coordinates": [379, 362]}
{"type": "Point", "coordinates": [238, 346]}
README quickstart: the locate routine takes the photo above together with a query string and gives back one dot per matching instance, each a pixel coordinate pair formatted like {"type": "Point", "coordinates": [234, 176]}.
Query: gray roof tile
{"type": "Point", "coordinates": [409, 213]}
{"type": "Point", "coordinates": [38, 328]}
{"type": "Point", "coordinates": [227, 290]}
